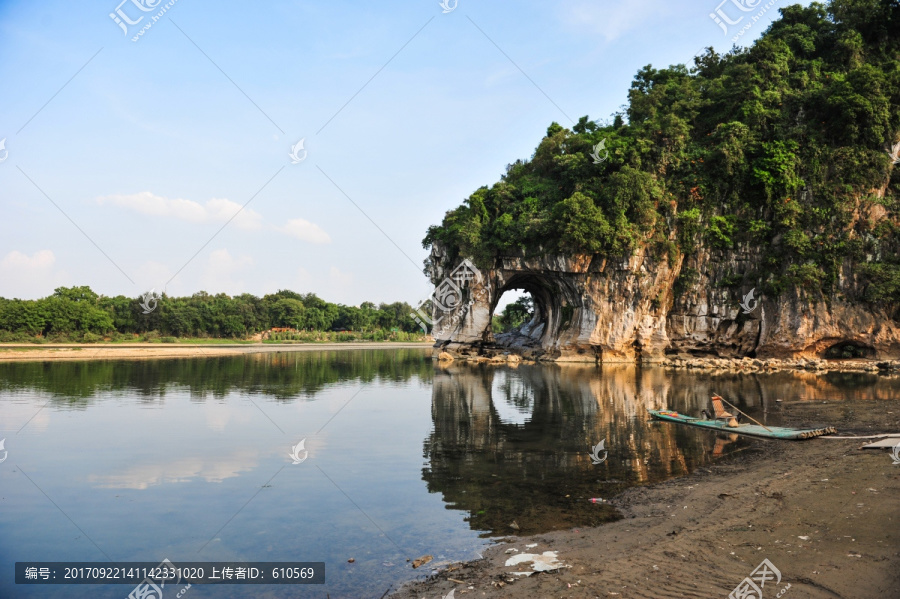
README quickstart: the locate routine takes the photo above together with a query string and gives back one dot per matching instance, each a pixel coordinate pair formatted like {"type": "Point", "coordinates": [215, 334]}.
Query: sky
{"type": "Point", "coordinates": [172, 159]}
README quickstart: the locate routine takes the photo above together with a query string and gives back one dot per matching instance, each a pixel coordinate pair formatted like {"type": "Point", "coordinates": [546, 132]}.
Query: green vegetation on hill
{"type": "Point", "coordinates": [780, 146]}
{"type": "Point", "coordinates": [79, 314]}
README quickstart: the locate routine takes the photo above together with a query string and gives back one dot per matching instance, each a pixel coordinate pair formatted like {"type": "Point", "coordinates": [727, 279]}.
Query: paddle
{"type": "Point", "coordinates": [745, 414]}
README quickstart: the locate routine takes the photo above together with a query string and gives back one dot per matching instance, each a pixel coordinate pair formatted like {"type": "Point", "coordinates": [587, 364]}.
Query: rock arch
{"type": "Point", "coordinates": [556, 300]}
{"type": "Point", "coordinates": [640, 307]}
{"type": "Point", "coordinates": [579, 312]}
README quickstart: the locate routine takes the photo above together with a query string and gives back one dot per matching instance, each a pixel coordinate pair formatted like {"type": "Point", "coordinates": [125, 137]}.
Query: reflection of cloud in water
{"type": "Point", "coordinates": [211, 469]}
{"type": "Point", "coordinates": [513, 399]}
{"type": "Point", "coordinates": [16, 414]}
{"type": "Point", "coordinates": [217, 418]}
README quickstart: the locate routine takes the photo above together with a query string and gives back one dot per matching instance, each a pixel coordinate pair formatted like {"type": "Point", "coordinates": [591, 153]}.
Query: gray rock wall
{"type": "Point", "coordinates": [590, 308]}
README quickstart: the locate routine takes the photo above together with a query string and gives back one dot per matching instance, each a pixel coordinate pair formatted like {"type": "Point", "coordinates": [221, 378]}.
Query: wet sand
{"type": "Point", "coordinates": [824, 512]}
{"type": "Point", "coordinates": [138, 351]}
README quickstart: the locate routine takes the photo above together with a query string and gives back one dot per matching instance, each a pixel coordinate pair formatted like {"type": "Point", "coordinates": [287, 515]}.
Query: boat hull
{"type": "Point", "coordinates": [751, 430]}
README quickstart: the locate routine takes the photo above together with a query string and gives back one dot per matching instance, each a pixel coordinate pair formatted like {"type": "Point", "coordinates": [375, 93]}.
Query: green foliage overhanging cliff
{"type": "Point", "coordinates": [780, 146]}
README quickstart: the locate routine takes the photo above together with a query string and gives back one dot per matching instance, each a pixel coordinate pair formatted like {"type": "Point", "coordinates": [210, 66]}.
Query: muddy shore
{"type": "Point", "coordinates": [824, 512]}
{"type": "Point", "coordinates": [137, 351]}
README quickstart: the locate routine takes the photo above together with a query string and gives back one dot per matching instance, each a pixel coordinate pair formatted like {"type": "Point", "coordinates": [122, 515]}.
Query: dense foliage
{"type": "Point", "coordinates": [514, 315]}
{"type": "Point", "coordinates": [780, 146]}
{"type": "Point", "coordinates": [77, 313]}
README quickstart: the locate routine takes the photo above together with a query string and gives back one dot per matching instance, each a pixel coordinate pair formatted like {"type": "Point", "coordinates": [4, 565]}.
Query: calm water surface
{"type": "Point", "coordinates": [189, 459]}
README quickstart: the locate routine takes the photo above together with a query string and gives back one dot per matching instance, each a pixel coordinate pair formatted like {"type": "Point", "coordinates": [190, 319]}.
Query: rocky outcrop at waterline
{"type": "Point", "coordinates": [639, 308]}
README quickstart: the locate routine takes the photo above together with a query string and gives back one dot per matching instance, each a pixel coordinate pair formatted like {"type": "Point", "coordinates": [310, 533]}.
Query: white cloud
{"type": "Point", "coordinates": [220, 271]}
{"type": "Point", "coordinates": [305, 231]}
{"type": "Point", "coordinates": [41, 260]}
{"type": "Point", "coordinates": [27, 276]}
{"type": "Point", "coordinates": [214, 210]}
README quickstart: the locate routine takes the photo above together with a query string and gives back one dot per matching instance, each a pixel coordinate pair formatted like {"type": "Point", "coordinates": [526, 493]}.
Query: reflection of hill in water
{"type": "Point", "coordinates": [286, 376]}
{"type": "Point", "coordinates": [510, 444]}
{"type": "Point", "coordinates": [521, 461]}
{"type": "Point", "coordinates": [500, 471]}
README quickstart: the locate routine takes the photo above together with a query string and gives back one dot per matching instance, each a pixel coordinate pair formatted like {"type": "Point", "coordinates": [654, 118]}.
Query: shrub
{"type": "Point", "coordinates": [808, 275]}
{"type": "Point", "coordinates": [686, 279]}
{"type": "Point", "coordinates": [719, 232]}
{"type": "Point", "coordinates": [689, 229]}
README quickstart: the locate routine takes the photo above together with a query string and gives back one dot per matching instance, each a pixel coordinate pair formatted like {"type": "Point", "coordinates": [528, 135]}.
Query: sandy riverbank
{"type": "Point", "coordinates": [823, 511]}
{"type": "Point", "coordinates": [137, 351]}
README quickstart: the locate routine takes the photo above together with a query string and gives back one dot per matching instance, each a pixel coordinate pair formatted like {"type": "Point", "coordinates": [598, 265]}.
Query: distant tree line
{"type": "Point", "coordinates": [78, 313]}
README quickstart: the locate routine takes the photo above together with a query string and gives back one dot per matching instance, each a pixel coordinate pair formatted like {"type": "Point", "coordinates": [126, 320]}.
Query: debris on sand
{"type": "Point", "coordinates": [542, 562]}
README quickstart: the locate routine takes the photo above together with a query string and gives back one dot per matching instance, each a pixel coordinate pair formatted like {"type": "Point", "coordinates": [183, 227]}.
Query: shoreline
{"type": "Point", "coordinates": [16, 352]}
{"type": "Point", "coordinates": [708, 365]}
{"type": "Point", "coordinates": [783, 364]}
{"type": "Point", "coordinates": [25, 352]}
{"type": "Point", "coordinates": [823, 512]}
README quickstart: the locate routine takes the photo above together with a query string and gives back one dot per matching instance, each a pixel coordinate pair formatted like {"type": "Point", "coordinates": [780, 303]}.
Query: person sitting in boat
{"type": "Point", "coordinates": [719, 413]}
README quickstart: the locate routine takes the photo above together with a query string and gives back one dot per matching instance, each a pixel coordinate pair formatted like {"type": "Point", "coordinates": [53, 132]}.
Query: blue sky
{"type": "Point", "coordinates": [126, 158]}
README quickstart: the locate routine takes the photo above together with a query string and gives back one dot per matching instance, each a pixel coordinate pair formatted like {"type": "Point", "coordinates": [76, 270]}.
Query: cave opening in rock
{"type": "Point", "coordinates": [848, 350]}
{"type": "Point", "coordinates": [518, 315]}
{"type": "Point", "coordinates": [514, 309]}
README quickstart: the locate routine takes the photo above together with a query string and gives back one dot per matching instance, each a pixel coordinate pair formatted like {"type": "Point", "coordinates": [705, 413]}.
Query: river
{"type": "Point", "coordinates": [201, 459]}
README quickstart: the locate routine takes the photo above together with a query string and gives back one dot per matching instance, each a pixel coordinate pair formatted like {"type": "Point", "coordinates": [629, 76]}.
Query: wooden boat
{"type": "Point", "coordinates": [752, 430]}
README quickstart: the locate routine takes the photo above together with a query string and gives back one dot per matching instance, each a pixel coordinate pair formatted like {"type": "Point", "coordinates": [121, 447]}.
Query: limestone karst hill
{"type": "Point", "coordinates": [771, 170]}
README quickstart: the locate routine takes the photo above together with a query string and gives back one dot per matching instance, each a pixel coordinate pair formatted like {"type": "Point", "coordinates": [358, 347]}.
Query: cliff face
{"type": "Point", "coordinates": [771, 170]}
{"type": "Point", "coordinates": [638, 308]}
